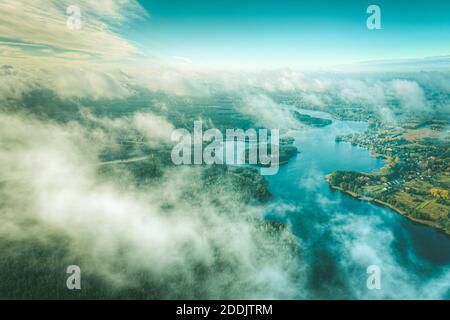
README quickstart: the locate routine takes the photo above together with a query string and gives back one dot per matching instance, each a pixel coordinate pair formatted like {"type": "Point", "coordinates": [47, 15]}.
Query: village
{"type": "Point", "coordinates": [415, 180]}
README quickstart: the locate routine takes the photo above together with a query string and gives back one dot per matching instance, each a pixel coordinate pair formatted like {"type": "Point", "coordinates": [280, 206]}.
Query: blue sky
{"type": "Point", "coordinates": [238, 35]}
{"type": "Point", "coordinates": [286, 33]}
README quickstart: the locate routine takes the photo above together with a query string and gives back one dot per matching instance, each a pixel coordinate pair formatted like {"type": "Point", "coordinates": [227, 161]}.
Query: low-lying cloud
{"type": "Point", "coordinates": [50, 184]}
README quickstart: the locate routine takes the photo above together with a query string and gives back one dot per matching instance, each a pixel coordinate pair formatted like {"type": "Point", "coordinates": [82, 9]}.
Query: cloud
{"type": "Point", "coordinates": [43, 22]}
{"type": "Point", "coordinates": [45, 53]}
{"type": "Point", "coordinates": [411, 96]}
{"type": "Point", "coordinates": [437, 63]}
{"type": "Point", "coordinates": [312, 180]}
{"type": "Point", "coordinates": [182, 59]}
{"type": "Point", "coordinates": [267, 113]}
{"type": "Point", "coordinates": [50, 184]}
{"type": "Point", "coordinates": [143, 126]}
{"type": "Point", "coordinates": [313, 100]}
{"type": "Point", "coordinates": [366, 240]}
{"type": "Point", "coordinates": [85, 79]}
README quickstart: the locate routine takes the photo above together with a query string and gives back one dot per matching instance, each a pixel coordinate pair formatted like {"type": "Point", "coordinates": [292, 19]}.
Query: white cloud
{"type": "Point", "coordinates": [267, 113]}
{"type": "Point", "coordinates": [411, 96]}
{"type": "Point", "coordinates": [50, 184]}
{"type": "Point", "coordinates": [182, 59]}
{"type": "Point", "coordinates": [43, 22]}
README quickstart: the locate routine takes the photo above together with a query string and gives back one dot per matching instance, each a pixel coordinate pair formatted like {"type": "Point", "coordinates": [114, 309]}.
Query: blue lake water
{"type": "Point", "coordinates": [341, 236]}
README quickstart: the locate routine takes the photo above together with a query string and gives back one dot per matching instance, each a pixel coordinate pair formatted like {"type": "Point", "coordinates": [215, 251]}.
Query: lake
{"type": "Point", "coordinates": [341, 236]}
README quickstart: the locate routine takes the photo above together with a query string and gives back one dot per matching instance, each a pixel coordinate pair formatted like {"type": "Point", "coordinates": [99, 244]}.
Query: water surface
{"type": "Point", "coordinates": [341, 236]}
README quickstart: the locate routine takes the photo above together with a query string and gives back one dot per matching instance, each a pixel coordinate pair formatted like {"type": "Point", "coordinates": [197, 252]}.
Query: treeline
{"type": "Point", "coordinates": [350, 180]}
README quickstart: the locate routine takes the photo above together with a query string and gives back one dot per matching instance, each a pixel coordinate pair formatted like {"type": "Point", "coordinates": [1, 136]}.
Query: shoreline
{"type": "Point", "coordinates": [387, 205]}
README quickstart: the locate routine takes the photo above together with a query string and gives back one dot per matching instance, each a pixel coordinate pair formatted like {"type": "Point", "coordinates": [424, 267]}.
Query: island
{"type": "Point", "coordinates": [287, 150]}
{"type": "Point", "coordinates": [311, 121]}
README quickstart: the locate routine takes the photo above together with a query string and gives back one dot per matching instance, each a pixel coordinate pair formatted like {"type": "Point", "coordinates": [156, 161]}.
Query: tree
{"type": "Point", "coordinates": [439, 193]}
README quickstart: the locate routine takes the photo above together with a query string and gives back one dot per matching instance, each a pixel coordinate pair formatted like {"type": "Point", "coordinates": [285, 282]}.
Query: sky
{"type": "Point", "coordinates": [299, 34]}
{"type": "Point", "coordinates": [223, 34]}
